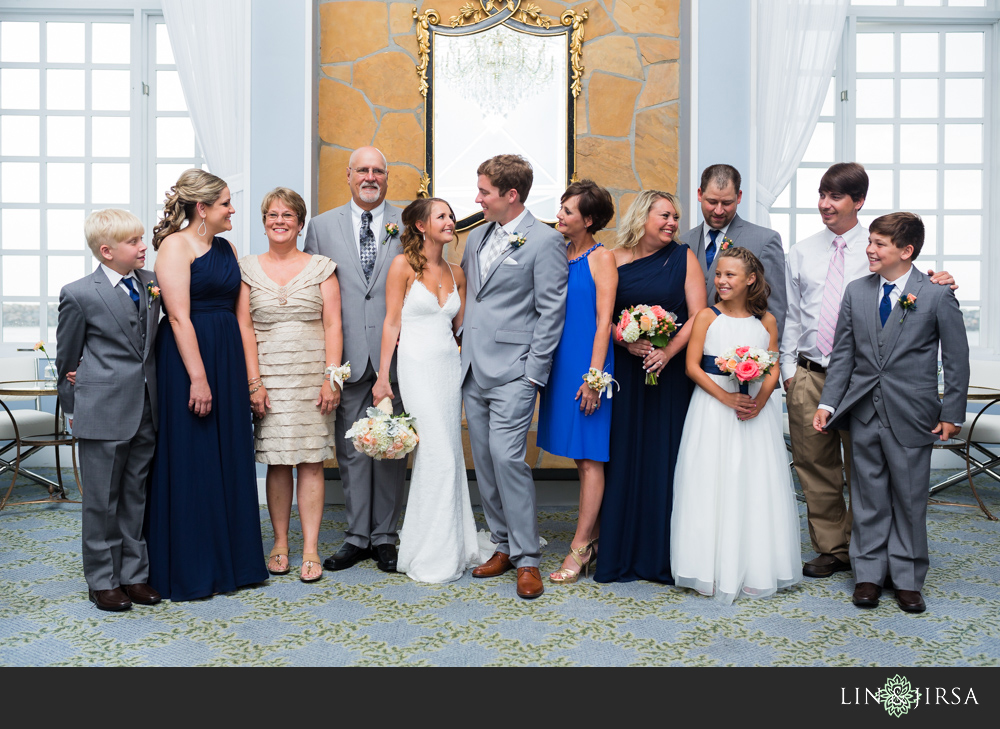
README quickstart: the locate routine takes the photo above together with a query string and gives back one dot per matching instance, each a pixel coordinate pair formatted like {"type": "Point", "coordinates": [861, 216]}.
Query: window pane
{"type": "Point", "coordinates": [175, 137]}
{"type": "Point", "coordinates": [110, 184]}
{"type": "Point", "coordinates": [963, 97]}
{"type": "Point", "coordinates": [166, 176]}
{"type": "Point", "coordinates": [807, 224]}
{"type": "Point", "coordinates": [807, 186]}
{"type": "Point", "coordinates": [20, 321]}
{"type": "Point", "coordinates": [168, 92]}
{"type": "Point", "coordinates": [63, 270]}
{"type": "Point", "coordinates": [924, 3]}
{"type": "Point", "coordinates": [875, 98]}
{"type": "Point", "coordinates": [20, 275]}
{"type": "Point", "coordinates": [781, 222]}
{"type": "Point", "coordinates": [19, 42]}
{"type": "Point", "coordinates": [880, 188]}
{"type": "Point", "coordinates": [963, 189]}
{"type": "Point", "coordinates": [963, 143]}
{"type": "Point", "coordinates": [918, 143]}
{"type": "Point", "coordinates": [19, 182]}
{"type": "Point", "coordinates": [53, 319]}
{"type": "Point", "coordinates": [971, 316]}
{"type": "Point", "coordinates": [65, 182]}
{"type": "Point", "coordinates": [873, 143]}
{"type": "Point", "coordinates": [875, 52]}
{"type": "Point", "coordinates": [164, 53]}
{"type": "Point", "coordinates": [112, 90]}
{"type": "Point", "coordinates": [64, 89]}
{"type": "Point", "coordinates": [64, 136]}
{"type": "Point", "coordinates": [65, 230]}
{"type": "Point", "coordinates": [784, 198]}
{"type": "Point", "coordinates": [19, 229]}
{"type": "Point", "coordinates": [64, 42]}
{"type": "Point", "coordinates": [963, 235]}
{"type": "Point", "coordinates": [930, 236]}
{"type": "Point", "coordinates": [966, 275]}
{"type": "Point", "coordinates": [19, 88]}
{"type": "Point", "coordinates": [111, 42]}
{"type": "Point", "coordinates": [918, 98]}
{"type": "Point", "coordinates": [918, 189]}
{"type": "Point", "coordinates": [963, 52]}
{"type": "Point", "coordinates": [918, 52]}
{"type": "Point", "coordinates": [110, 136]}
{"type": "Point", "coordinates": [19, 136]}
{"type": "Point", "coordinates": [820, 147]}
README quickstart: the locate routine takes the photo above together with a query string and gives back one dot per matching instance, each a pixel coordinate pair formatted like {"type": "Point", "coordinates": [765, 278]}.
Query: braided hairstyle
{"type": "Point", "coordinates": [418, 211]}
{"type": "Point", "coordinates": [757, 292]}
{"type": "Point", "coordinates": [192, 187]}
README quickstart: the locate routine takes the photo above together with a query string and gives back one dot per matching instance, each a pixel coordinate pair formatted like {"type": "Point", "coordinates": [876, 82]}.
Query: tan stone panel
{"type": "Point", "coordinates": [457, 247]}
{"type": "Point", "coordinates": [390, 80]}
{"type": "Point", "coordinates": [550, 460]}
{"type": "Point", "coordinates": [341, 72]}
{"type": "Point", "coordinates": [401, 139]}
{"type": "Point", "coordinates": [533, 453]}
{"type": "Point", "coordinates": [654, 50]}
{"type": "Point", "coordinates": [623, 203]}
{"type": "Point", "coordinates": [598, 23]}
{"type": "Point", "coordinates": [614, 54]}
{"type": "Point", "coordinates": [608, 162]}
{"type": "Point", "coordinates": [339, 36]}
{"type": "Point", "coordinates": [445, 8]}
{"type": "Point", "coordinates": [401, 17]}
{"type": "Point", "coordinates": [344, 117]}
{"type": "Point", "coordinates": [660, 17]}
{"type": "Point", "coordinates": [581, 116]}
{"type": "Point", "coordinates": [611, 104]}
{"type": "Point", "coordinates": [404, 181]}
{"type": "Point", "coordinates": [408, 42]}
{"type": "Point", "coordinates": [606, 238]}
{"type": "Point", "coordinates": [656, 148]}
{"type": "Point", "coordinates": [333, 188]}
{"type": "Point", "coordinates": [663, 84]}
{"type": "Point", "coordinates": [551, 9]}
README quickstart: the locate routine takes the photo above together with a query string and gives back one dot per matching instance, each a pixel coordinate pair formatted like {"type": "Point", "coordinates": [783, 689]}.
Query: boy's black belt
{"type": "Point", "coordinates": [810, 365]}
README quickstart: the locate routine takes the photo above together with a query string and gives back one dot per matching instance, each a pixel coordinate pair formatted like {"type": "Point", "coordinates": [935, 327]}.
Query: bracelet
{"type": "Point", "coordinates": [255, 379]}
{"type": "Point", "coordinates": [600, 381]}
{"type": "Point", "coordinates": [254, 389]}
{"type": "Point", "coordinates": [338, 374]}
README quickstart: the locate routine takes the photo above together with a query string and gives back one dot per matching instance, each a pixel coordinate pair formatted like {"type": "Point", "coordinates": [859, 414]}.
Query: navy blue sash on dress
{"type": "Point", "coordinates": [708, 364]}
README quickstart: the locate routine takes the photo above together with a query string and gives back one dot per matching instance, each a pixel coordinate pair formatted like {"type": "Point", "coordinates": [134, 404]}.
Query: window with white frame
{"type": "Point", "coordinates": [91, 116]}
{"type": "Point", "coordinates": [912, 101]}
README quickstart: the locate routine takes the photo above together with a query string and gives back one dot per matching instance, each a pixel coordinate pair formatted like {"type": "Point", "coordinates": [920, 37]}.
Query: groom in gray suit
{"type": "Point", "coordinates": [882, 382]}
{"type": "Point", "coordinates": [362, 238]}
{"type": "Point", "coordinates": [516, 270]}
{"type": "Point", "coordinates": [719, 196]}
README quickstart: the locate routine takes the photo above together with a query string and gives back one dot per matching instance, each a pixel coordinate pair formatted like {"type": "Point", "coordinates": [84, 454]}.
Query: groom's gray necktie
{"type": "Point", "coordinates": [367, 244]}
{"type": "Point", "coordinates": [497, 243]}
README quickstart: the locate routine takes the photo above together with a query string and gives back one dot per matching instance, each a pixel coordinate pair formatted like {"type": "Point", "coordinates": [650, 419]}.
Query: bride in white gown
{"type": "Point", "coordinates": [425, 300]}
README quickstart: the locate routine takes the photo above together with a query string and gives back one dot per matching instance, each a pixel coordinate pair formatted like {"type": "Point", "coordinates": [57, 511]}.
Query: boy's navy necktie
{"type": "Point", "coordinates": [885, 306]}
{"type": "Point", "coordinates": [133, 294]}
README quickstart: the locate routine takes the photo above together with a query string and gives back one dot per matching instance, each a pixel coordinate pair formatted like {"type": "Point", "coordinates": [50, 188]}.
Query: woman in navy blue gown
{"type": "Point", "coordinates": [573, 420]}
{"type": "Point", "coordinates": [203, 520]}
{"type": "Point", "coordinates": [647, 420]}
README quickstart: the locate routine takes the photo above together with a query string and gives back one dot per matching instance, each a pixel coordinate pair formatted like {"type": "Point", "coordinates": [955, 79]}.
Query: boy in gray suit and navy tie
{"type": "Point", "coordinates": [107, 326]}
{"type": "Point", "coordinates": [883, 374]}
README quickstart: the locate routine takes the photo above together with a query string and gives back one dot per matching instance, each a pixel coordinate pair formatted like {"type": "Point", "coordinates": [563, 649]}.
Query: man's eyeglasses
{"type": "Point", "coordinates": [286, 217]}
{"type": "Point", "coordinates": [364, 171]}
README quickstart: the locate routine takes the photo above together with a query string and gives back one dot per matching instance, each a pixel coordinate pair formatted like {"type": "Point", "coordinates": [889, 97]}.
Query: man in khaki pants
{"type": "Point", "coordinates": [817, 271]}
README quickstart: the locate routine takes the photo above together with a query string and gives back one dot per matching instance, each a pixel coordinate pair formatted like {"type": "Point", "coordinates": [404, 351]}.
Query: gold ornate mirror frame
{"type": "Point", "coordinates": [493, 80]}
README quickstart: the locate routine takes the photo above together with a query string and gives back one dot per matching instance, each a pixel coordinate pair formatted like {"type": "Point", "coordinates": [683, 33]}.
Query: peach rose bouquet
{"type": "Point", "coordinates": [650, 322]}
{"type": "Point", "coordinates": [746, 365]}
{"type": "Point", "coordinates": [383, 435]}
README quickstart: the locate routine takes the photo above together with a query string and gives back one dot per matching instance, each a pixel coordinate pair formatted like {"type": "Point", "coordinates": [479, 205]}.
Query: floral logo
{"type": "Point", "coordinates": [516, 240]}
{"type": "Point", "coordinates": [391, 231]}
{"type": "Point", "coordinates": [906, 303]}
{"type": "Point", "coordinates": [897, 696]}
{"type": "Point", "coordinates": [154, 293]}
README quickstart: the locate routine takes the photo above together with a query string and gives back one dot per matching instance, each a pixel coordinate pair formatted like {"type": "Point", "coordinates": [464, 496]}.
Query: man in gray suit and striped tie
{"type": "Point", "coordinates": [358, 237]}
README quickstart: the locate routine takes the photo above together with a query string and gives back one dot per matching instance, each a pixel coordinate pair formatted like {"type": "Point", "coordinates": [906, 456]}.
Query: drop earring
{"type": "Point", "coordinates": [202, 229]}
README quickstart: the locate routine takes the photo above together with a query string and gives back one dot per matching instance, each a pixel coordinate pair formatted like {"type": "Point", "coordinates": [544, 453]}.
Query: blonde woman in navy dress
{"type": "Point", "coordinates": [574, 421]}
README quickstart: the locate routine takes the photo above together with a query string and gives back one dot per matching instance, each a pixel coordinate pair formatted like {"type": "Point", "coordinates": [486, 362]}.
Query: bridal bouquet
{"type": "Point", "coordinates": [746, 365]}
{"type": "Point", "coordinates": [382, 434]}
{"type": "Point", "coordinates": [650, 322]}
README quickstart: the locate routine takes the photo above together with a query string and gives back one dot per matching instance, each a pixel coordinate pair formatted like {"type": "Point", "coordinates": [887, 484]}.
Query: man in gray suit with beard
{"type": "Point", "coordinates": [719, 196]}
{"type": "Point", "coordinates": [516, 270]}
{"type": "Point", "coordinates": [362, 238]}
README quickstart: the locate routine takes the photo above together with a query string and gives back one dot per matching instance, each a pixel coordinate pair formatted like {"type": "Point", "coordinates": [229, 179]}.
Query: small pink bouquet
{"type": "Point", "coordinates": [383, 435]}
{"type": "Point", "coordinates": [650, 322]}
{"type": "Point", "coordinates": [746, 365]}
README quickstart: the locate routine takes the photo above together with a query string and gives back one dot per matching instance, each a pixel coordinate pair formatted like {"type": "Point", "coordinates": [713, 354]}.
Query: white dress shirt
{"type": "Point", "coordinates": [376, 224]}
{"type": "Point", "coordinates": [895, 292]}
{"type": "Point", "coordinates": [511, 227]}
{"type": "Point", "coordinates": [718, 238]}
{"type": "Point", "coordinates": [806, 267]}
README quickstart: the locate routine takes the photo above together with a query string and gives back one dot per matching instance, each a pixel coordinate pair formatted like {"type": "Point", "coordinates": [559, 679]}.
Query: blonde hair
{"type": "Point", "coordinates": [110, 227]}
{"type": "Point", "coordinates": [632, 225]}
{"type": "Point", "coordinates": [192, 187]}
{"type": "Point", "coordinates": [288, 196]}
{"type": "Point", "coordinates": [418, 211]}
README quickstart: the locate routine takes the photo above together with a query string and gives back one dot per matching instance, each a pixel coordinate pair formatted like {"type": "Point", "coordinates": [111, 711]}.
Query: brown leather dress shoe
{"type": "Point", "coordinates": [113, 600]}
{"type": "Point", "coordinates": [866, 594]}
{"type": "Point", "coordinates": [529, 583]}
{"type": "Point", "coordinates": [824, 565]}
{"type": "Point", "coordinates": [141, 593]}
{"type": "Point", "coordinates": [494, 566]}
{"type": "Point", "coordinates": [910, 601]}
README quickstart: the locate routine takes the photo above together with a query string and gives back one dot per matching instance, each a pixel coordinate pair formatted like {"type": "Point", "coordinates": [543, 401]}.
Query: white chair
{"type": "Point", "coordinates": [26, 431]}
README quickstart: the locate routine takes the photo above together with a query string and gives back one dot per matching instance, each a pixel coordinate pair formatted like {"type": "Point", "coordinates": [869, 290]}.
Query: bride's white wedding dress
{"type": "Point", "coordinates": [438, 539]}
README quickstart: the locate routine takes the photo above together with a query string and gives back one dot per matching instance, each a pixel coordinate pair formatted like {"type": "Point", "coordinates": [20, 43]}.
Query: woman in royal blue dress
{"type": "Point", "coordinates": [203, 521]}
{"type": "Point", "coordinates": [647, 420]}
{"type": "Point", "coordinates": [572, 421]}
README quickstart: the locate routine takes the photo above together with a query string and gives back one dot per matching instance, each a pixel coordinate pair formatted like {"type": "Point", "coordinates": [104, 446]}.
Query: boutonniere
{"type": "Point", "coordinates": [154, 293]}
{"type": "Point", "coordinates": [515, 240]}
{"type": "Point", "coordinates": [391, 231]}
{"type": "Point", "coordinates": [726, 242]}
{"type": "Point", "coordinates": [906, 303]}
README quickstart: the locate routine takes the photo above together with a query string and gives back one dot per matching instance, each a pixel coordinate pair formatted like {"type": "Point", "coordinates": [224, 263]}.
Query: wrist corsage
{"type": "Point", "coordinates": [391, 231]}
{"type": "Point", "coordinates": [338, 374]}
{"type": "Point", "coordinates": [600, 381]}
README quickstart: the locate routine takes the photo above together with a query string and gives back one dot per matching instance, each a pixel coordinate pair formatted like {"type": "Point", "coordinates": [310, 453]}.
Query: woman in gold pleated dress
{"type": "Point", "coordinates": [289, 314]}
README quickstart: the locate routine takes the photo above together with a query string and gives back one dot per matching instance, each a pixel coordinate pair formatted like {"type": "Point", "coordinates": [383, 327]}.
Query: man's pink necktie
{"type": "Point", "coordinates": [833, 290]}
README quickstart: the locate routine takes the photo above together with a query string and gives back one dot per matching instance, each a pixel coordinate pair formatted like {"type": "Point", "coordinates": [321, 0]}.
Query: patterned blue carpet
{"type": "Point", "coordinates": [363, 616]}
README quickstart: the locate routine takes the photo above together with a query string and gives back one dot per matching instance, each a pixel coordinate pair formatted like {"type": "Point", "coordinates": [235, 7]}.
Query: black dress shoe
{"type": "Point", "coordinates": [866, 594]}
{"type": "Point", "coordinates": [910, 601]}
{"type": "Point", "coordinates": [141, 594]}
{"type": "Point", "coordinates": [347, 556]}
{"type": "Point", "coordinates": [385, 557]}
{"type": "Point", "coordinates": [113, 600]}
{"type": "Point", "coordinates": [824, 565]}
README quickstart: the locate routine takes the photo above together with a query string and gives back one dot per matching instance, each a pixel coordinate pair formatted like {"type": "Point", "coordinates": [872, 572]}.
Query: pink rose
{"type": "Point", "coordinates": [747, 370]}
{"type": "Point", "coordinates": [740, 351]}
{"type": "Point", "coordinates": [659, 311]}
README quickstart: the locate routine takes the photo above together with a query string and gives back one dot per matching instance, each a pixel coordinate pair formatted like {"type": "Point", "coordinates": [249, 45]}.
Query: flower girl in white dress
{"type": "Point", "coordinates": [734, 527]}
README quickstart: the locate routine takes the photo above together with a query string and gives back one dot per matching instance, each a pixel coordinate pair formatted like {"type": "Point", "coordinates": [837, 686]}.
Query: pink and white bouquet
{"type": "Point", "coordinates": [746, 364]}
{"type": "Point", "coordinates": [649, 322]}
{"type": "Point", "coordinates": [383, 435]}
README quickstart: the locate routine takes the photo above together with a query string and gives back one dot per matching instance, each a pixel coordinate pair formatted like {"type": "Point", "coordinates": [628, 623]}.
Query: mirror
{"type": "Point", "coordinates": [501, 79]}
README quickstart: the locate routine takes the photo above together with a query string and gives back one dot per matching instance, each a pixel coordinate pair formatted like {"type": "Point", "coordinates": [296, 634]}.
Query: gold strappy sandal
{"type": "Point", "coordinates": [566, 576]}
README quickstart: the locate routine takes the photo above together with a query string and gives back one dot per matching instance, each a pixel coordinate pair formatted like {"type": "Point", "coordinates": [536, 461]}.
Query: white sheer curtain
{"type": "Point", "coordinates": [797, 44]}
{"type": "Point", "coordinates": [208, 41]}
